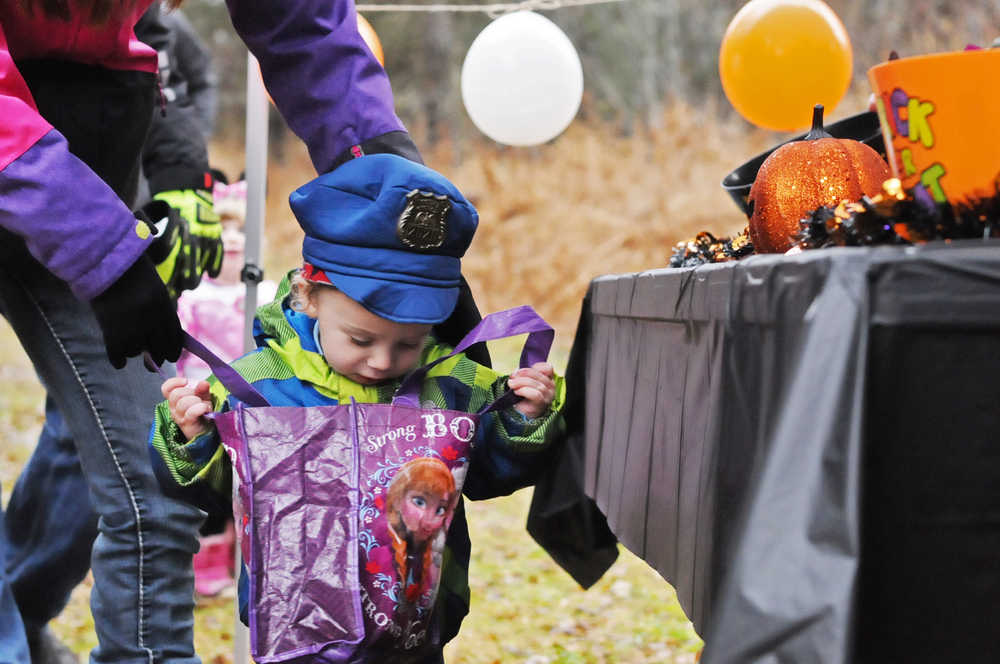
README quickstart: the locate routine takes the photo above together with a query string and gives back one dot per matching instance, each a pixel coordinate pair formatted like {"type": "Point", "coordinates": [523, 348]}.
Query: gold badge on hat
{"type": "Point", "coordinates": [424, 223]}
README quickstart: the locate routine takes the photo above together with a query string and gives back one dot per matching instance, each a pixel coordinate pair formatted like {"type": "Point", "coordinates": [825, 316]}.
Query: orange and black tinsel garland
{"type": "Point", "coordinates": [706, 248]}
{"type": "Point", "coordinates": [898, 217]}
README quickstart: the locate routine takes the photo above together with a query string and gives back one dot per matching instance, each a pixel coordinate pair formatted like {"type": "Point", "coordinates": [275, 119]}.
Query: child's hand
{"type": "Point", "coordinates": [535, 386]}
{"type": "Point", "coordinates": [188, 405]}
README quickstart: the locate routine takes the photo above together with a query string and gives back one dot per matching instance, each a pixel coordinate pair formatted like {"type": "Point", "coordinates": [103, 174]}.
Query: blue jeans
{"type": "Point", "coordinates": [51, 526]}
{"type": "Point", "coordinates": [13, 646]}
{"type": "Point", "coordinates": [143, 595]}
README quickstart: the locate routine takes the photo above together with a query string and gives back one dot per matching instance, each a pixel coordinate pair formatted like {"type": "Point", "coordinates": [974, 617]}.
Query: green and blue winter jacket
{"type": "Point", "coordinates": [288, 370]}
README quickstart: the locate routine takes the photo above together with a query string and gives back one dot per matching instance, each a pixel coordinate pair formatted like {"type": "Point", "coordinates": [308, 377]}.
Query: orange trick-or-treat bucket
{"type": "Point", "coordinates": [940, 121]}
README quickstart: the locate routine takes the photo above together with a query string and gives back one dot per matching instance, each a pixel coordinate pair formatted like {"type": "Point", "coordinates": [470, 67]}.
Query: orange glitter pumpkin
{"type": "Point", "coordinates": [802, 175]}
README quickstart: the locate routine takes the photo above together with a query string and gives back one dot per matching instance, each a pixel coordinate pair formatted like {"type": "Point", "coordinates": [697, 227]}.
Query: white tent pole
{"type": "Point", "coordinates": [256, 174]}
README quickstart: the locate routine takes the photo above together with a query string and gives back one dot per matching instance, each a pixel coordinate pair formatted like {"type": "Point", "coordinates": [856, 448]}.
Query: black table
{"type": "Point", "coordinates": [807, 447]}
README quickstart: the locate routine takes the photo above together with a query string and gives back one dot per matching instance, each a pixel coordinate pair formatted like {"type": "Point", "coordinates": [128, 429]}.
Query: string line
{"type": "Point", "coordinates": [493, 9]}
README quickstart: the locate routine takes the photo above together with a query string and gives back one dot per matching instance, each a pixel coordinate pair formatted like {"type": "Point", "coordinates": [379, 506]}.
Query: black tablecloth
{"type": "Point", "coordinates": [807, 447]}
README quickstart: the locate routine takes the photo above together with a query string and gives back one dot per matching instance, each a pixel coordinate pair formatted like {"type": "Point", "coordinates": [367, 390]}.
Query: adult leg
{"type": "Point", "coordinates": [142, 599]}
{"type": "Point", "coordinates": [13, 646]}
{"type": "Point", "coordinates": [50, 525]}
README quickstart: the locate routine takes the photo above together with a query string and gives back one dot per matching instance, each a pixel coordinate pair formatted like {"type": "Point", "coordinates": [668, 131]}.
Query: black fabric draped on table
{"type": "Point", "coordinates": [805, 446]}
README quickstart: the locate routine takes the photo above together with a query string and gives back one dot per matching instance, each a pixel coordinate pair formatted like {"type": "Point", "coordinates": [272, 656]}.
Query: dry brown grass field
{"type": "Point", "coordinates": [591, 202]}
{"type": "Point", "coordinates": [554, 217]}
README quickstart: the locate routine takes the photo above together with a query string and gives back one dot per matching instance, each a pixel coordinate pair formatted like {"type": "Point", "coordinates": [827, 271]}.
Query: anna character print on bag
{"type": "Point", "coordinates": [419, 505]}
{"type": "Point", "coordinates": [410, 490]}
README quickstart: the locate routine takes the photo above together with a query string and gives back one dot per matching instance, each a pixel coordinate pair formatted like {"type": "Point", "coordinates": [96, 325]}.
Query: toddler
{"type": "Point", "coordinates": [383, 242]}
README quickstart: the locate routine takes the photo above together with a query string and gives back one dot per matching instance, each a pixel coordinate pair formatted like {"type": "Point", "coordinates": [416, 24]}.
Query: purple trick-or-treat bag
{"type": "Point", "coordinates": [343, 510]}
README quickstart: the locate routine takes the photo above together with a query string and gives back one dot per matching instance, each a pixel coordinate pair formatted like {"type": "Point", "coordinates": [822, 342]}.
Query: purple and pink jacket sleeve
{"type": "Point", "coordinates": [326, 83]}
{"type": "Point", "coordinates": [71, 221]}
{"type": "Point", "coordinates": [324, 80]}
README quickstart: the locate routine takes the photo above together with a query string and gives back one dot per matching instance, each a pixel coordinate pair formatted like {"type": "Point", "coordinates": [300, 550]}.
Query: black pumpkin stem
{"type": "Point", "coordinates": [817, 130]}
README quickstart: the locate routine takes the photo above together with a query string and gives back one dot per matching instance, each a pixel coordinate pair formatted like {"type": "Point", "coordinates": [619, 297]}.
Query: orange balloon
{"type": "Point", "coordinates": [368, 34]}
{"type": "Point", "coordinates": [779, 58]}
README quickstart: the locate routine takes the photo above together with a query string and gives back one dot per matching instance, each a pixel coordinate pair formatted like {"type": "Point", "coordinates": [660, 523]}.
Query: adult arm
{"type": "Point", "coordinates": [192, 62]}
{"type": "Point", "coordinates": [71, 221]}
{"type": "Point", "coordinates": [175, 155]}
{"type": "Point", "coordinates": [175, 162]}
{"type": "Point", "coordinates": [323, 78]}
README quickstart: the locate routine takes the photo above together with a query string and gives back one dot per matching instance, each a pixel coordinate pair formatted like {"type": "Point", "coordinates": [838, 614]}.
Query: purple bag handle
{"type": "Point", "coordinates": [499, 325]}
{"type": "Point", "coordinates": [229, 377]}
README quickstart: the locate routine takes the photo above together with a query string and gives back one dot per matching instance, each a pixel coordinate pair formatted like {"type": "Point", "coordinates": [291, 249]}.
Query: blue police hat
{"type": "Point", "coordinates": [389, 233]}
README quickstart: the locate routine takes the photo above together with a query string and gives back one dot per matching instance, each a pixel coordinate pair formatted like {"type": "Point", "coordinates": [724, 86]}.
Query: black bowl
{"type": "Point", "coordinates": [863, 127]}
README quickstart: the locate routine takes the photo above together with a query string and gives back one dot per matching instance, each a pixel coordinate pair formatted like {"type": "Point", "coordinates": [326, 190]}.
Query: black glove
{"type": "Point", "coordinates": [136, 314]}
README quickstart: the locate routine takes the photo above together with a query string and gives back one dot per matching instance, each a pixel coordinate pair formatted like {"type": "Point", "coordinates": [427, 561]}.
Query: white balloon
{"type": "Point", "coordinates": [522, 81]}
